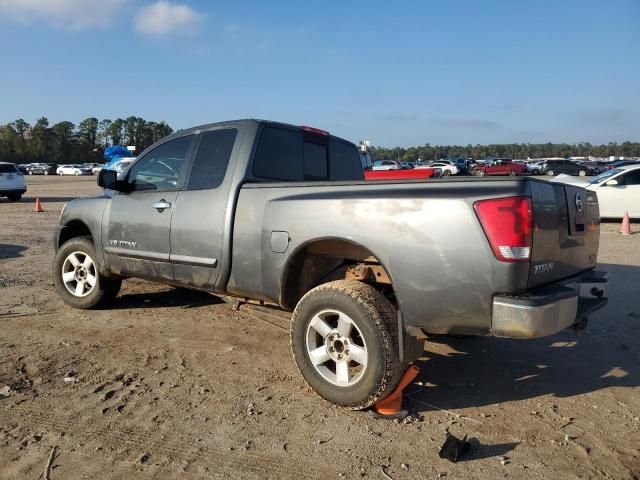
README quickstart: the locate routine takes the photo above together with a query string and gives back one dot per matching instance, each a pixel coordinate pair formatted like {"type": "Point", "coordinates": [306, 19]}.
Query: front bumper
{"type": "Point", "coordinates": [550, 309]}
{"type": "Point", "coordinates": [8, 191]}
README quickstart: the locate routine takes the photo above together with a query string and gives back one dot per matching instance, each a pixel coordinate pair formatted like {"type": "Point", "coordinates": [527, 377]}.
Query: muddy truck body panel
{"type": "Point", "coordinates": [266, 212]}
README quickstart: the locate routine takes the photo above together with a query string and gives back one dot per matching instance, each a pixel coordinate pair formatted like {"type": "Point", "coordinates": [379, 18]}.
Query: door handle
{"type": "Point", "coordinates": [162, 205]}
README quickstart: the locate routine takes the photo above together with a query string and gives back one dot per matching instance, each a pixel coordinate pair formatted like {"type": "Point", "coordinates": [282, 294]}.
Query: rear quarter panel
{"type": "Point", "coordinates": [425, 234]}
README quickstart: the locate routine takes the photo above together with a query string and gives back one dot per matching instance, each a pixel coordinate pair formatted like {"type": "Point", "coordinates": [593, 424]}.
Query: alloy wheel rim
{"type": "Point", "coordinates": [79, 274]}
{"type": "Point", "coordinates": [336, 347]}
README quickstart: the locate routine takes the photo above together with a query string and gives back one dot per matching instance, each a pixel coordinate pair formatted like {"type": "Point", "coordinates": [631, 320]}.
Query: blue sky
{"type": "Point", "coordinates": [397, 73]}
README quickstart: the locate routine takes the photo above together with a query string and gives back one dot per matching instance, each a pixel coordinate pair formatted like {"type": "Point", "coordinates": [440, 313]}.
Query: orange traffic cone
{"type": "Point", "coordinates": [391, 405]}
{"type": "Point", "coordinates": [38, 205]}
{"type": "Point", "coordinates": [625, 228]}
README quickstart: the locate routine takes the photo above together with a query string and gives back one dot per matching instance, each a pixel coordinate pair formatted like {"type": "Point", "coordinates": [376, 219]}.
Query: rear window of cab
{"type": "Point", "coordinates": [290, 155]}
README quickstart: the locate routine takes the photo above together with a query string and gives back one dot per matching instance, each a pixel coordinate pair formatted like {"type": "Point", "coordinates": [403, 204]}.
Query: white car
{"type": "Point", "coordinates": [73, 170]}
{"type": "Point", "coordinates": [385, 165]}
{"type": "Point", "coordinates": [447, 168]}
{"type": "Point", "coordinates": [535, 168]}
{"type": "Point", "coordinates": [618, 190]}
{"type": "Point", "coordinates": [12, 183]}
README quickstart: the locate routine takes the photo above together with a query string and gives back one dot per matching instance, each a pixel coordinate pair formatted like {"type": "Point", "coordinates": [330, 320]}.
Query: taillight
{"type": "Point", "coordinates": [317, 131]}
{"type": "Point", "coordinates": [508, 224]}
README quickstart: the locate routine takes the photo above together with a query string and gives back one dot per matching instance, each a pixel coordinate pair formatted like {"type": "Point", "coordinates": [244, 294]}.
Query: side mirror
{"type": "Point", "coordinates": [108, 179]}
{"type": "Point", "coordinates": [612, 183]}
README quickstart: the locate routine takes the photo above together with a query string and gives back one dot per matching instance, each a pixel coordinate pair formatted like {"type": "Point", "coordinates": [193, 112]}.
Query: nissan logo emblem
{"type": "Point", "coordinates": [578, 203]}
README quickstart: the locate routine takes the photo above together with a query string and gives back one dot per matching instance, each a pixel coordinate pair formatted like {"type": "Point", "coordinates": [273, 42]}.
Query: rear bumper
{"type": "Point", "coordinates": [550, 309]}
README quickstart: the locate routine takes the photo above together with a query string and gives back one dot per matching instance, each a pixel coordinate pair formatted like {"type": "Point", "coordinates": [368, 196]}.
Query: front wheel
{"type": "Point", "coordinates": [446, 173]}
{"type": "Point", "coordinates": [535, 171]}
{"type": "Point", "coordinates": [76, 173]}
{"type": "Point", "coordinates": [582, 173]}
{"type": "Point", "coordinates": [77, 278]}
{"type": "Point", "coordinates": [550, 173]}
{"type": "Point", "coordinates": [512, 173]}
{"type": "Point", "coordinates": [344, 341]}
{"type": "Point", "coordinates": [14, 197]}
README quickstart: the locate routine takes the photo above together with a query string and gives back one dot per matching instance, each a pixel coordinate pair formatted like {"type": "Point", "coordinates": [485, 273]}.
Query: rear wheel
{"type": "Point", "coordinates": [30, 172]}
{"type": "Point", "coordinates": [76, 173]}
{"type": "Point", "coordinates": [582, 173]}
{"type": "Point", "coordinates": [446, 173]}
{"type": "Point", "coordinates": [14, 197]}
{"type": "Point", "coordinates": [512, 173]}
{"type": "Point", "coordinates": [535, 171]}
{"type": "Point", "coordinates": [46, 172]}
{"type": "Point", "coordinates": [345, 343]}
{"type": "Point", "coordinates": [551, 173]}
{"type": "Point", "coordinates": [77, 278]}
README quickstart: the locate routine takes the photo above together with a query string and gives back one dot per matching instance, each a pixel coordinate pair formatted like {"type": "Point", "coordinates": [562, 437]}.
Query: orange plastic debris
{"type": "Point", "coordinates": [391, 405]}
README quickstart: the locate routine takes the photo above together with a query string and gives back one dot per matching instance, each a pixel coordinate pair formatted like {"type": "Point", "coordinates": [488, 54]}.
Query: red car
{"type": "Point", "coordinates": [498, 166]}
{"type": "Point", "coordinates": [412, 174]}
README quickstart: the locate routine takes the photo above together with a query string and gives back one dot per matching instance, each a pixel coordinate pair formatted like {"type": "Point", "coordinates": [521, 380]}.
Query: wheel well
{"type": "Point", "coordinates": [323, 261]}
{"type": "Point", "coordinates": [73, 229]}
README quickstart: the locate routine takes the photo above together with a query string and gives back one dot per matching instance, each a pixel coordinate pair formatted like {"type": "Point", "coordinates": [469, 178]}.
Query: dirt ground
{"type": "Point", "coordinates": [174, 384]}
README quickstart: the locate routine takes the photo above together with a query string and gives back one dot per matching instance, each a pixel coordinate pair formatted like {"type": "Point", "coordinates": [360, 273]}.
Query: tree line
{"type": "Point", "coordinates": [65, 142]}
{"type": "Point", "coordinates": [511, 150]}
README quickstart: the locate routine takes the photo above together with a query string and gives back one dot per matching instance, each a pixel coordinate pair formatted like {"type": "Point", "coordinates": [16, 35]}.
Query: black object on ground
{"type": "Point", "coordinates": [453, 448]}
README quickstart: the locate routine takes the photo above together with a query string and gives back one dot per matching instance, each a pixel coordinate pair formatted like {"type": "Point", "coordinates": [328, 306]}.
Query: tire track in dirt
{"type": "Point", "coordinates": [264, 466]}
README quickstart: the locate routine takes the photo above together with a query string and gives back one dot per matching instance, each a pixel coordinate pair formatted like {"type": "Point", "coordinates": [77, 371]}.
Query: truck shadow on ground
{"type": "Point", "coordinates": [462, 372]}
{"type": "Point", "coordinates": [174, 297]}
{"type": "Point", "coordinates": [11, 251]}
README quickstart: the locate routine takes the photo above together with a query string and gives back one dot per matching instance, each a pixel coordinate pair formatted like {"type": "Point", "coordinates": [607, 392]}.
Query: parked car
{"type": "Point", "coordinates": [42, 169]}
{"type": "Point", "coordinates": [403, 174]}
{"type": "Point", "coordinates": [622, 163]}
{"type": "Point", "coordinates": [73, 170]}
{"type": "Point", "coordinates": [240, 209]}
{"type": "Point", "coordinates": [555, 167]}
{"type": "Point", "coordinates": [618, 190]}
{"type": "Point", "coordinates": [94, 167]}
{"type": "Point", "coordinates": [535, 168]}
{"type": "Point", "coordinates": [386, 165]}
{"type": "Point", "coordinates": [12, 183]}
{"type": "Point", "coordinates": [498, 166]}
{"type": "Point", "coordinates": [447, 168]}
{"type": "Point", "coordinates": [22, 169]}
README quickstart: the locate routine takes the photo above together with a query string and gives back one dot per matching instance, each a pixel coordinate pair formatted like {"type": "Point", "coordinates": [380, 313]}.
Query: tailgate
{"type": "Point", "coordinates": [566, 231]}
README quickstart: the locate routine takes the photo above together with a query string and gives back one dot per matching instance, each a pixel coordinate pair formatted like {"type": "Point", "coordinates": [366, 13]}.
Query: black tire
{"type": "Point", "coordinates": [14, 197]}
{"type": "Point", "coordinates": [535, 171]}
{"type": "Point", "coordinates": [375, 318]}
{"type": "Point", "coordinates": [104, 290]}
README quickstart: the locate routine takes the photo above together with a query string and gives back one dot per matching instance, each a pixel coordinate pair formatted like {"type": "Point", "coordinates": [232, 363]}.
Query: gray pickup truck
{"type": "Point", "coordinates": [274, 213]}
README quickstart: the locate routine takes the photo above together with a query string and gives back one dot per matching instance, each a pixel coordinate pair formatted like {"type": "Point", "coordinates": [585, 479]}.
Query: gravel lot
{"type": "Point", "coordinates": [174, 384]}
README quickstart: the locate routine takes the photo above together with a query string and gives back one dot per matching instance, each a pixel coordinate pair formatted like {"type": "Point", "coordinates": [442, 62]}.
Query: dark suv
{"type": "Point", "coordinates": [555, 167]}
{"type": "Point", "coordinates": [42, 169]}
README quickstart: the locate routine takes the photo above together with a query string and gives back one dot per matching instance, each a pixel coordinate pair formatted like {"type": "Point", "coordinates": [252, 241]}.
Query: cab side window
{"type": "Point", "coordinates": [211, 160]}
{"type": "Point", "coordinates": [631, 178]}
{"type": "Point", "coordinates": [162, 167]}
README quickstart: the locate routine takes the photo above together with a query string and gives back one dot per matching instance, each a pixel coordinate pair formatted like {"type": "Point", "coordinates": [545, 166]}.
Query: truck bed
{"type": "Point", "coordinates": [425, 234]}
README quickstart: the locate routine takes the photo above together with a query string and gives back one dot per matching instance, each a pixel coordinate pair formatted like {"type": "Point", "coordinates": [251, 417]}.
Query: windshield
{"type": "Point", "coordinates": [605, 176]}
